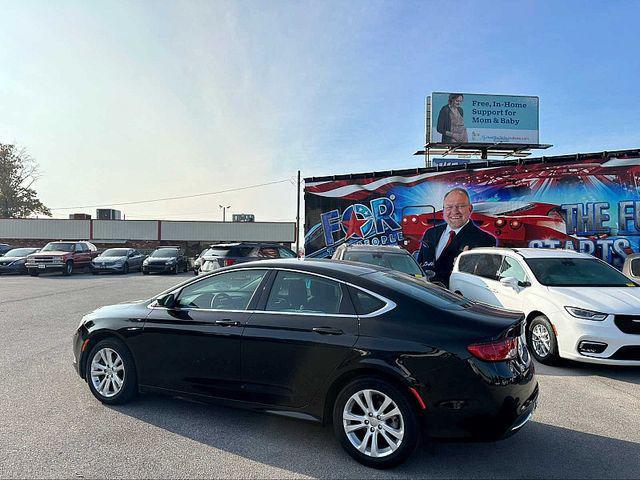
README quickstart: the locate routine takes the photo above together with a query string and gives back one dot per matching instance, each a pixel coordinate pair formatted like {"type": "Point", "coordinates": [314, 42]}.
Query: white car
{"type": "Point", "coordinates": [577, 306]}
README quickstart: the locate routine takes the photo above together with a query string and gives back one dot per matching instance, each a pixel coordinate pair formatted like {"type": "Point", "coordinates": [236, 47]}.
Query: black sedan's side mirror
{"type": "Point", "coordinates": [167, 301]}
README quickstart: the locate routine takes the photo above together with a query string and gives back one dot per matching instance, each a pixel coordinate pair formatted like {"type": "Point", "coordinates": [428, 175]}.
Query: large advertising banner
{"type": "Point", "coordinates": [591, 205]}
{"type": "Point", "coordinates": [458, 118]}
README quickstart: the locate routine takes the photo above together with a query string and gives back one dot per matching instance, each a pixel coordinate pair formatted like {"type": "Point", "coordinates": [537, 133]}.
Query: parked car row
{"type": "Point", "coordinates": [68, 257]}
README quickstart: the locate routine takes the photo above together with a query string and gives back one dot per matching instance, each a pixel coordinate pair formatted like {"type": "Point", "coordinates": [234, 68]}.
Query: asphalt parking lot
{"type": "Point", "coordinates": [587, 424]}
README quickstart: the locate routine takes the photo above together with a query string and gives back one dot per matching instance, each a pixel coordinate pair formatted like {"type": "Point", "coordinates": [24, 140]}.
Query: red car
{"type": "Point", "coordinates": [514, 224]}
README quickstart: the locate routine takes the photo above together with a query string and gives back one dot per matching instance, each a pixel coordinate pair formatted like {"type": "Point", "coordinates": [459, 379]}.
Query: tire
{"type": "Point", "coordinates": [125, 372]}
{"type": "Point", "coordinates": [542, 342]}
{"type": "Point", "coordinates": [406, 424]}
{"type": "Point", "coordinates": [144, 272]}
{"type": "Point", "coordinates": [34, 272]}
{"type": "Point", "coordinates": [68, 268]}
{"type": "Point", "coordinates": [94, 272]}
{"type": "Point", "coordinates": [125, 269]}
{"type": "Point", "coordinates": [175, 270]}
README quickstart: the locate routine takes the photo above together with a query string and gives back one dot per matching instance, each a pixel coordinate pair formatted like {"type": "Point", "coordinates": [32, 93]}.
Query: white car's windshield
{"type": "Point", "coordinates": [577, 272]}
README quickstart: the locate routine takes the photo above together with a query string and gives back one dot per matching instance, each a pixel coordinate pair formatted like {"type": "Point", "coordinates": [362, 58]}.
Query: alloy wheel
{"type": "Point", "coordinates": [107, 372]}
{"type": "Point", "coordinates": [541, 340]}
{"type": "Point", "coordinates": [373, 423]}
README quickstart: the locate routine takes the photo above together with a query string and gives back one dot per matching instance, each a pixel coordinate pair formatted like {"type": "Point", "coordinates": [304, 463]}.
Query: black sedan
{"type": "Point", "coordinates": [14, 260]}
{"type": "Point", "coordinates": [121, 260]}
{"type": "Point", "coordinates": [165, 260]}
{"type": "Point", "coordinates": [381, 355]}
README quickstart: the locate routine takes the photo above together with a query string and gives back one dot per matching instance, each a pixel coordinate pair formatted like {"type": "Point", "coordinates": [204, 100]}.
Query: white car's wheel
{"type": "Point", "coordinates": [542, 342]}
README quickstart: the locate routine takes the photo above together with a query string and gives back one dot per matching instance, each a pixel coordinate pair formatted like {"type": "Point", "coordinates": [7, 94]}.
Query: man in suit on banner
{"type": "Point", "coordinates": [442, 244]}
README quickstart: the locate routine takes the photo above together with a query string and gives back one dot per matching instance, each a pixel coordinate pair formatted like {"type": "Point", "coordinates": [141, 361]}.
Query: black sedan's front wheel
{"type": "Point", "coordinates": [111, 372]}
{"type": "Point", "coordinates": [375, 423]}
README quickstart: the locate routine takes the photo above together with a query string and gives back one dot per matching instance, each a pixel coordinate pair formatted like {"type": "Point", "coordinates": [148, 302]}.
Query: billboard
{"type": "Point", "coordinates": [590, 205]}
{"type": "Point", "coordinates": [459, 118]}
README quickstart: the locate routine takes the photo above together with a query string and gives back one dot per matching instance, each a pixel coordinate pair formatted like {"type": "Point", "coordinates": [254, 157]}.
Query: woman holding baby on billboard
{"type": "Point", "coordinates": [451, 120]}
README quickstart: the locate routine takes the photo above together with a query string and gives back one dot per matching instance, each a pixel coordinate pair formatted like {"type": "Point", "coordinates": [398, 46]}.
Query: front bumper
{"type": "Point", "coordinates": [106, 268]}
{"type": "Point", "coordinates": [13, 268]}
{"type": "Point", "coordinates": [45, 267]}
{"type": "Point", "coordinates": [158, 268]}
{"type": "Point", "coordinates": [571, 331]}
{"type": "Point", "coordinates": [79, 337]}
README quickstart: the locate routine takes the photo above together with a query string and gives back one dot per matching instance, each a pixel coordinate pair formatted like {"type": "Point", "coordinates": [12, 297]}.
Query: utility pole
{"type": "Point", "coordinates": [224, 211]}
{"type": "Point", "coordinates": [298, 220]}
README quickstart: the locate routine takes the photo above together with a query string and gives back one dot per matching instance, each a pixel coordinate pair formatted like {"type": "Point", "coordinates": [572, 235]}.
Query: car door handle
{"type": "Point", "coordinates": [228, 323]}
{"type": "Point", "coordinates": [327, 331]}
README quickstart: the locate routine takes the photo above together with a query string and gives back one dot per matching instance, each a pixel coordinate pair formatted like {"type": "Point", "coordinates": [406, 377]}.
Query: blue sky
{"type": "Point", "coordinates": [125, 101]}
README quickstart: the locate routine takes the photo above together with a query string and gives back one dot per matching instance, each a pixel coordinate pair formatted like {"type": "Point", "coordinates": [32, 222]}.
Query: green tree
{"type": "Point", "coordinates": [18, 172]}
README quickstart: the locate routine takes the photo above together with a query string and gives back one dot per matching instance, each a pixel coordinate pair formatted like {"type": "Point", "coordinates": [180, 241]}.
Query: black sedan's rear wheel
{"type": "Point", "coordinates": [34, 272]}
{"type": "Point", "coordinates": [375, 423]}
{"type": "Point", "coordinates": [111, 372]}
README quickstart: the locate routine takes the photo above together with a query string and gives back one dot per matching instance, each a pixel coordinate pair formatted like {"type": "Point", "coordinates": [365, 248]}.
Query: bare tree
{"type": "Point", "coordinates": [18, 172]}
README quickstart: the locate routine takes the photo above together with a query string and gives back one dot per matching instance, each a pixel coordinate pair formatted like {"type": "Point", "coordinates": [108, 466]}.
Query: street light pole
{"type": "Point", "coordinates": [224, 211]}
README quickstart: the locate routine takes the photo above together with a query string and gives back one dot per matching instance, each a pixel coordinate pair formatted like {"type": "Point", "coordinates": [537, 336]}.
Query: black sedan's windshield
{"type": "Point", "coordinates": [165, 253]}
{"type": "Point", "coordinates": [577, 272]}
{"type": "Point", "coordinates": [115, 252]}
{"type": "Point", "coordinates": [59, 247]}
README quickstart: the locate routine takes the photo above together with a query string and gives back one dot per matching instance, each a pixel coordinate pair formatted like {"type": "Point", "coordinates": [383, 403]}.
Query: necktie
{"type": "Point", "coordinates": [449, 240]}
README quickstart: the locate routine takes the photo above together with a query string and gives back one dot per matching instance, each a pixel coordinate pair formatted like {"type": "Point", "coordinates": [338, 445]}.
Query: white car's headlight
{"type": "Point", "coordinates": [585, 314]}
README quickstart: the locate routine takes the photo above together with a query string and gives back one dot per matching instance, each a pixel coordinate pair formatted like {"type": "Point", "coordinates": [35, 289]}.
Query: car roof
{"type": "Point", "coordinates": [335, 268]}
{"type": "Point", "coordinates": [375, 248]}
{"type": "Point", "coordinates": [532, 252]}
{"type": "Point", "coordinates": [245, 244]}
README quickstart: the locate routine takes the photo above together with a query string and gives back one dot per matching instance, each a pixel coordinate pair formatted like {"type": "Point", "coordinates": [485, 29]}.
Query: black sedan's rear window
{"type": "Point", "coordinates": [420, 290]}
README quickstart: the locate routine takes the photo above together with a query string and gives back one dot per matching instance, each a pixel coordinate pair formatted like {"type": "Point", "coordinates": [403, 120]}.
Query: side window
{"type": "Point", "coordinates": [468, 263]}
{"type": "Point", "coordinates": [488, 265]}
{"type": "Point", "coordinates": [511, 268]}
{"type": "Point", "coordinates": [227, 291]}
{"type": "Point", "coordinates": [635, 267]}
{"type": "Point", "coordinates": [364, 302]}
{"type": "Point", "coordinates": [80, 248]}
{"type": "Point", "coordinates": [286, 253]}
{"type": "Point", "coordinates": [302, 293]}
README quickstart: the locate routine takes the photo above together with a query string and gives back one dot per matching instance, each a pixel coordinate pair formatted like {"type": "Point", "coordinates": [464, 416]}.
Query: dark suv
{"type": "Point", "coordinates": [225, 254]}
{"type": "Point", "coordinates": [392, 257]}
{"type": "Point", "coordinates": [168, 259]}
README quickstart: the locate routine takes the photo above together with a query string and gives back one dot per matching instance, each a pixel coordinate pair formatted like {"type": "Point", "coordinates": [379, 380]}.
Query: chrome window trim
{"type": "Point", "coordinates": [389, 304]}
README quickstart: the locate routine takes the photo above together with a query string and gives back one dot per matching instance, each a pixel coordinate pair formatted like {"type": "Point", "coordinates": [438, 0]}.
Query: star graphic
{"type": "Point", "coordinates": [354, 226]}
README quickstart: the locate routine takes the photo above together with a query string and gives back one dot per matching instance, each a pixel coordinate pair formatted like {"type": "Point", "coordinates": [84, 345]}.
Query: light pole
{"type": "Point", "coordinates": [224, 211]}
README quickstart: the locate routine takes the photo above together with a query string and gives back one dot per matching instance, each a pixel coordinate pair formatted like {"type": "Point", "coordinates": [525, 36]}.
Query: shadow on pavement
{"type": "Point", "coordinates": [537, 451]}
{"type": "Point", "coordinates": [577, 369]}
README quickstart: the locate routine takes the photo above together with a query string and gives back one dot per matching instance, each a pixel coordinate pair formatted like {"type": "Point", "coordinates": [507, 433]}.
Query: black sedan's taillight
{"type": "Point", "coordinates": [500, 350]}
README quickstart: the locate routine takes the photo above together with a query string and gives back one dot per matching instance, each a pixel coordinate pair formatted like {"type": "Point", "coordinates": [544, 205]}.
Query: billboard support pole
{"type": "Point", "coordinates": [484, 153]}
{"type": "Point", "coordinates": [298, 220]}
